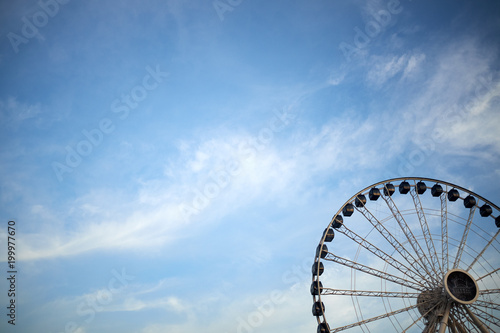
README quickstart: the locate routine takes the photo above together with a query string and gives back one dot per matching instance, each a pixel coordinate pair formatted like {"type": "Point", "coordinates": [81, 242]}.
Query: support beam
{"type": "Point", "coordinates": [444, 319]}
{"type": "Point", "coordinates": [479, 324]}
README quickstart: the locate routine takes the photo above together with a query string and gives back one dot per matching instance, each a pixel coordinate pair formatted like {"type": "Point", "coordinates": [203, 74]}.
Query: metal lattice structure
{"type": "Point", "coordinates": [420, 255]}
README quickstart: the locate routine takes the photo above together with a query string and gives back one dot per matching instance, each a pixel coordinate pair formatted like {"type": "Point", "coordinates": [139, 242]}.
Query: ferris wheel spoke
{"type": "Point", "coordinates": [422, 258]}
{"type": "Point", "coordinates": [488, 291]}
{"type": "Point", "coordinates": [372, 271]}
{"type": "Point", "coordinates": [464, 237]}
{"type": "Point", "coordinates": [464, 319]}
{"type": "Point", "coordinates": [412, 324]}
{"type": "Point", "coordinates": [477, 322]}
{"type": "Point", "coordinates": [431, 325]}
{"type": "Point", "coordinates": [444, 231]}
{"type": "Point", "coordinates": [457, 323]}
{"type": "Point", "coordinates": [434, 321]}
{"type": "Point", "coordinates": [416, 263]}
{"type": "Point", "coordinates": [486, 304]}
{"type": "Point", "coordinates": [451, 324]}
{"type": "Point", "coordinates": [488, 274]}
{"type": "Point", "coordinates": [366, 321]}
{"type": "Point", "coordinates": [484, 250]}
{"type": "Point", "coordinates": [470, 321]}
{"type": "Point", "coordinates": [415, 275]}
{"type": "Point", "coordinates": [433, 256]}
{"type": "Point", "coordinates": [488, 317]}
{"type": "Point", "coordinates": [481, 311]}
{"type": "Point", "coordinates": [368, 293]}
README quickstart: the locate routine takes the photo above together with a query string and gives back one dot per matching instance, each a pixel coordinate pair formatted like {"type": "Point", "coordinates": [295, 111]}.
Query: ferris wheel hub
{"type": "Point", "coordinates": [460, 286]}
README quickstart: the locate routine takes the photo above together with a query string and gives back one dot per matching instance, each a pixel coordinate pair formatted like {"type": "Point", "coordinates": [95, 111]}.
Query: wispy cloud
{"type": "Point", "coordinates": [153, 215]}
{"type": "Point", "coordinates": [460, 99]}
{"type": "Point", "coordinates": [384, 68]}
{"type": "Point", "coordinates": [13, 113]}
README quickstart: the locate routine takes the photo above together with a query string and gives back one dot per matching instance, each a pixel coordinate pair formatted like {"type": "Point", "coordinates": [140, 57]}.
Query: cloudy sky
{"type": "Point", "coordinates": [171, 165]}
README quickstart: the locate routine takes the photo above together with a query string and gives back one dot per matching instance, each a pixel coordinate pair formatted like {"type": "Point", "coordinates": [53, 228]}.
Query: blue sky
{"type": "Point", "coordinates": [176, 162]}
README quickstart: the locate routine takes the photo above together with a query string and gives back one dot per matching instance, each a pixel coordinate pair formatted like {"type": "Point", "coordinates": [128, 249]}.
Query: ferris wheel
{"type": "Point", "coordinates": [409, 255]}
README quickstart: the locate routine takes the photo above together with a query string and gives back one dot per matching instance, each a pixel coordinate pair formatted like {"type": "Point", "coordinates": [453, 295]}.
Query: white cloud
{"type": "Point", "coordinates": [471, 133]}
{"type": "Point", "coordinates": [335, 79]}
{"type": "Point", "coordinates": [384, 68]}
{"type": "Point", "coordinates": [459, 101]}
{"type": "Point", "coordinates": [270, 170]}
{"type": "Point", "coordinates": [269, 311]}
{"type": "Point", "coordinates": [131, 303]}
{"type": "Point", "coordinates": [13, 112]}
{"type": "Point", "coordinates": [412, 64]}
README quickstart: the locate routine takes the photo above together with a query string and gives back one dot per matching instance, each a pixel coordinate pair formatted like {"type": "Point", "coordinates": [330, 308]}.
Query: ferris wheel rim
{"type": "Point", "coordinates": [433, 180]}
